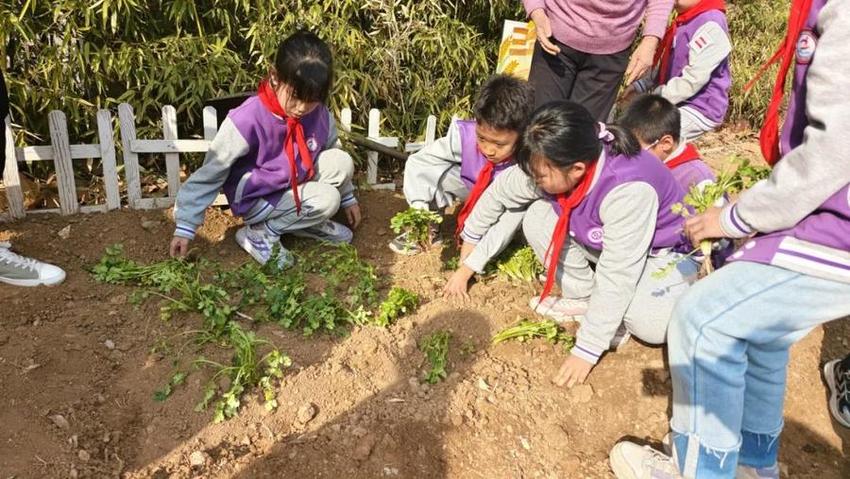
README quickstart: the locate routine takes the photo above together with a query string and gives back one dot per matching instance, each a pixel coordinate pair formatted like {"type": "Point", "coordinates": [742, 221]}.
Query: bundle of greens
{"type": "Point", "coordinates": [525, 330]}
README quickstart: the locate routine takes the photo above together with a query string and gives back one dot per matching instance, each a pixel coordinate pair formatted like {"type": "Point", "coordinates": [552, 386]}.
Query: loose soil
{"type": "Point", "coordinates": [352, 405]}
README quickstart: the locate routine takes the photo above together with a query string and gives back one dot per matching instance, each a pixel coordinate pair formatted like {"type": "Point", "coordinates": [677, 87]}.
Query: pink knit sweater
{"type": "Point", "coordinates": [603, 26]}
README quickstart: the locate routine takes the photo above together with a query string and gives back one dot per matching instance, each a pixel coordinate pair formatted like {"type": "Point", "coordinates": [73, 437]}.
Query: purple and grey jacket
{"type": "Point", "coordinates": [586, 227]}
{"type": "Point", "coordinates": [247, 161]}
{"type": "Point", "coordinates": [818, 244]}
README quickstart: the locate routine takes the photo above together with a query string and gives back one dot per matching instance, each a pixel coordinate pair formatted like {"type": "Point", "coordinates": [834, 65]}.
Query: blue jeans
{"type": "Point", "coordinates": [728, 349]}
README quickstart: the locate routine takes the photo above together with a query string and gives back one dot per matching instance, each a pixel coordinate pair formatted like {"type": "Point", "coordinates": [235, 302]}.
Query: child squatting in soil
{"type": "Point", "coordinates": [655, 123]}
{"type": "Point", "coordinates": [462, 165]}
{"type": "Point", "coordinates": [278, 160]}
{"type": "Point", "coordinates": [730, 334]}
{"type": "Point", "coordinates": [692, 66]}
{"type": "Point", "coordinates": [595, 183]}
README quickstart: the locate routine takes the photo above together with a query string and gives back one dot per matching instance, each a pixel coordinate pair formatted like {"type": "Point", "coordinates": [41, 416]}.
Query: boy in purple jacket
{"type": "Point", "coordinates": [692, 66]}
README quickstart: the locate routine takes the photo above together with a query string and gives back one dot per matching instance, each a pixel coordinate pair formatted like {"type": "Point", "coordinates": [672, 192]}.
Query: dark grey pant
{"type": "Point", "coordinates": [585, 78]}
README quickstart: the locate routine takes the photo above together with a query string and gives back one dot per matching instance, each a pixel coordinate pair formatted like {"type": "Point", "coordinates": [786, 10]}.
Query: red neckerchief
{"type": "Point", "coordinates": [567, 203]}
{"type": "Point", "coordinates": [481, 184]}
{"type": "Point", "coordinates": [662, 56]}
{"type": "Point", "coordinates": [294, 135]}
{"type": "Point", "coordinates": [769, 135]}
{"type": "Point", "coordinates": [690, 153]}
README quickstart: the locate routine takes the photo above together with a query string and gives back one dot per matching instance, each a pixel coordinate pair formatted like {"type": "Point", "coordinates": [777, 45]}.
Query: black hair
{"type": "Point", "coordinates": [565, 133]}
{"type": "Point", "coordinates": [504, 103]}
{"type": "Point", "coordinates": [304, 62]}
{"type": "Point", "coordinates": [650, 117]}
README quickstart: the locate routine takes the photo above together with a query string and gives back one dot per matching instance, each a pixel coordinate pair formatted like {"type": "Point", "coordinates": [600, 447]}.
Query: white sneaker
{"type": "Point", "coordinates": [260, 246]}
{"type": "Point", "coordinates": [632, 461]}
{"type": "Point", "coordinates": [562, 310]}
{"type": "Point", "coordinates": [19, 270]}
{"type": "Point", "coordinates": [328, 230]}
{"type": "Point", "coordinates": [741, 472]}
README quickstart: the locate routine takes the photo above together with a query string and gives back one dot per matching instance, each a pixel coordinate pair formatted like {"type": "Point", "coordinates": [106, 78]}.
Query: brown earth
{"type": "Point", "coordinates": [82, 352]}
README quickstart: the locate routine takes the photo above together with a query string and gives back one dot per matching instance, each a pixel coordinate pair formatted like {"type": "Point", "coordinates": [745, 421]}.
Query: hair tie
{"type": "Point", "coordinates": [604, 134]}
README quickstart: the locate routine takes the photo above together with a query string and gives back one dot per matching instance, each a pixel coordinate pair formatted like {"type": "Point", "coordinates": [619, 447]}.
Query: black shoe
{"type": "Point", "coordinates": [838, 380]}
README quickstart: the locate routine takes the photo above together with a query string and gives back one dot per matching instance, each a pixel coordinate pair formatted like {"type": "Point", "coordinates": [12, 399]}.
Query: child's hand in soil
{"type": "Point", "coordinates": [705, 226]}
{"type": "Point", "coordinates": [352, 213]}
{"type": "Point", "coordinates": [179, 247]}
{"type": "Point", "coordinates": [456, 288]}
{"type": "Point", "coordinates": [573, 370]}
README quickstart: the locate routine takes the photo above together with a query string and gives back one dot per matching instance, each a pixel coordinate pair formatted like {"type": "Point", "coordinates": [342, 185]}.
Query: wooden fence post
{"type": "Point", "coordinates": [431, 130]}
{"type": "Point", "coordinates": [172, 160]}
{"type": "Point", "coordinates": [107, 157]}
{"type": "Point", "coordinates": [131, 160]}
{"type": "Point", "coordinates": [374, 133]}
{"type": "Point", "coordinates": [210, 123]}
{"type": "Point", "coordinates": [65, 181]}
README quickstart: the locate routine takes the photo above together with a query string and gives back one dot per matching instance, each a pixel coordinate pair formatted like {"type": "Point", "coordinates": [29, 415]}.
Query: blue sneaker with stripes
{"type": "Point", "coordinates": [260, 245]}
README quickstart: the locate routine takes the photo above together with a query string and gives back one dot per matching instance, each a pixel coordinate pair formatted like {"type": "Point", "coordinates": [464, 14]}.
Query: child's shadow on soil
{"type": "Point", "coordinates": [397, 432]}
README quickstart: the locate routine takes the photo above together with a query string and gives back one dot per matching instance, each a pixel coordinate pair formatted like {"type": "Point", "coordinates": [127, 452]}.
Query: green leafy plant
{"type": "Point", "coordinates": [521, 265]}
{"type": "Point", "coordinates": [701, 198]}
{"type": "Point", "coordinates": [399, 302]}
{"type": "Point", "coordinates": [223, 297]}
{"type": "Point", "coordinates": [525, 330]}
{"type": "Point", "coordinates": [341, 266]}
{"type": "Point", "coordinates": [115, 268]}
{"type": "Point", "coordinates": [436, 349]}
{"type": "Point", "coordinates": [176, 379]}
{"type": "Point", "coordinates": [247, 370]}
{"type": "Point", "coordinates": [416, 224]}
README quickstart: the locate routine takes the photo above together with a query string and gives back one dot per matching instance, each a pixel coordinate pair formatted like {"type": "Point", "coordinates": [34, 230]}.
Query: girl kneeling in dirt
{"type": "Point", "coordinates": [277, 159]}
{"type": "Point", "coordinates": [614, 200]}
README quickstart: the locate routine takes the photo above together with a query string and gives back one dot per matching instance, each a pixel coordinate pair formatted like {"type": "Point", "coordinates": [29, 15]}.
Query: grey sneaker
{"type": "Point", "coordinates": [260, 245]}
{"type": "Point", "coordinates": [19, 270]}
{"type": "Point", "coordinates": [402, 243]}
{"type": "Point", "coordinates": [328, 230]}
{"type": "Point", "coordinates": [838, 380]}
{"type": "Point", "coordinates": [632, 461]}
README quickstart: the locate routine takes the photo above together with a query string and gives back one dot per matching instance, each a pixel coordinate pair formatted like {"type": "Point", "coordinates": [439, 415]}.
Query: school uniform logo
{"type": "Point", "coordinates": [595, 235]}
{"type": "Point", "coordinates": [312, 144]}
{"type": "Point", "coordinates": [806, 45]}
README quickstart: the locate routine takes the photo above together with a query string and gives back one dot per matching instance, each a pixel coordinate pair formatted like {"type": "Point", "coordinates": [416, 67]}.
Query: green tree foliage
{"type": "Point", "coordinates": [409, 58]}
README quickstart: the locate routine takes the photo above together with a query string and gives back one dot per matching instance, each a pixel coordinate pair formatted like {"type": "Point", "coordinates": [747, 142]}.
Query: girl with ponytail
{"type": "Point", "coordinates": [277, 159]}
{"type": "Point", "coordinates": [594, 197]}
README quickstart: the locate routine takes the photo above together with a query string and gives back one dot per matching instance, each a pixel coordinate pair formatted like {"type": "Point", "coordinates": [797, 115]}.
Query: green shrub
{"type": "Point", "coordinates": [756, 27]}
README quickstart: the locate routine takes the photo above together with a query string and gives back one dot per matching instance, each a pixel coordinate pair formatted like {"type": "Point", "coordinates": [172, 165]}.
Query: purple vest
{"type": "Point", "coordinates": [713, 99]}
{"type": "Point", "coordinates": [471, 159]}
{"type": "Point", "coordinates": [818, 245]}
{"type": "Point", "coordinates": [692, 173]}
{"type": "Point", "coordinates": [586, 227]}
{"type": "Point", "coordinates": [266, 163]}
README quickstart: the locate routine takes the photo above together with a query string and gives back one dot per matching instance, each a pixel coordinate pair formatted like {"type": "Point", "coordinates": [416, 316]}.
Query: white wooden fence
{"type": "Point", "coordinates": [374, 134]}
{"type": "Point", "coordinates": [61, 152]}
{"type": "Point", "coordinates": [171, 146]}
